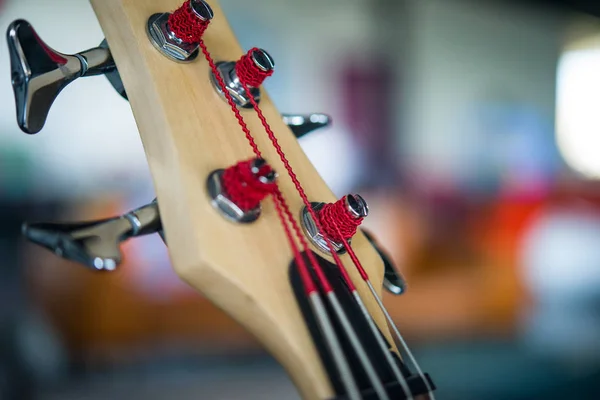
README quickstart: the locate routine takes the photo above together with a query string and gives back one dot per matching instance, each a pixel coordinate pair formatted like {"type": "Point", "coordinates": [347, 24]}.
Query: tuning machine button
{"type": "Point", "coordinates": [40, 73]}
{"type": "Point", "coordinates": [96, 244]}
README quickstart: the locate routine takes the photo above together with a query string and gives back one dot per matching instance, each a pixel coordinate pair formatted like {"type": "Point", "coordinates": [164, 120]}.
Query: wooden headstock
{"type": "Point", "coordinates": [188, 131]}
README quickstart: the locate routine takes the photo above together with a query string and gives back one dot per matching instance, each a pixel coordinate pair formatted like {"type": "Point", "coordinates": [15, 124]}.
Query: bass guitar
{"type": "Point", "coordinates": [248, 221]}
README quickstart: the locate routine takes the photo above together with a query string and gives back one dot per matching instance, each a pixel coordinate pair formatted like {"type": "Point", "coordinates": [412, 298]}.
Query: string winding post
{"type": "Point", "coordinates": [247, 183]}
{"type": "Point", "coordinates": [254, 67]}
{"type": "Point", "coordinates": [189, 22]}
{"type": "Point", "coordinates": [341, 219]}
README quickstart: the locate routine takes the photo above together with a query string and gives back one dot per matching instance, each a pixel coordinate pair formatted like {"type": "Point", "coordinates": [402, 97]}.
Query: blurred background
{"type": "Point", "coordinates": [471, 128]}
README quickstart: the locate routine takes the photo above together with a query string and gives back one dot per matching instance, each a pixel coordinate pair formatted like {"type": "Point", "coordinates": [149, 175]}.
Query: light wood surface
{"type": "Point", "coordinates": [188, 131]}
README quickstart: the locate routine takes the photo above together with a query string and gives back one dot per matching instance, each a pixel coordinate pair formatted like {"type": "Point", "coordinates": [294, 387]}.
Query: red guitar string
{"type": "Point", "coordinates": [317, 268]}
{"type": "Point", "coordinates": [299, 188]}
{"type": "Point", "coordinates": [333, 215]}
{"type": "Point", "coordinates": [243, 187]}
{"type": "Point", "coordinates": [280, 204]}
{"type": "Point", "coordinates": [354, 258]}
{"type": "Point", "coordinates": [248, 72]}
{"type": "Point", "coordinates": [279, 196]}
{"type": "Point", "coordinates": [337, 221]}
{"type": "Point", "coordinates": [309, 284]}
{"type": "Point", "coordinates": [234, 108]}
{"type": "Point", "coordinates": [186, 25]}
{"type": "Point", "coordinates": [340, 225]}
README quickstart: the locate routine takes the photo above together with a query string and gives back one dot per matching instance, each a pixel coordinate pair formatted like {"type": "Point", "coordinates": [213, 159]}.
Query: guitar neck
{"type": "Point", "coordinates": [188, 131]}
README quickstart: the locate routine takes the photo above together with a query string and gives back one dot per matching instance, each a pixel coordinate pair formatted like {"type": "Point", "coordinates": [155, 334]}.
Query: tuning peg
{"type": "Point", "coordinates": [40, 73]}
{"type": "Point", "coordinates": [393, 281]}
{"type": "Point", "coordinates": [96, 244]}
{"type": "Point", "coordinates": [304, 124]}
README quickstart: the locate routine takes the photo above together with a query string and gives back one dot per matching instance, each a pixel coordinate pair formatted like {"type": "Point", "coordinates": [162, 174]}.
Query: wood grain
{"type": "Point", "coordinates": [188, 131]}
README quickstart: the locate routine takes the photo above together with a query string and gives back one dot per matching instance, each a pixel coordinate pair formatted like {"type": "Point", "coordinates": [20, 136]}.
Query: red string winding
{"type": "Point", "coordinates": [248, 72]}
{"type": "Point", "coordinates": [243, 187]}
{"type": "Point", "coordinates": [337, 221]}
{"type": "Point", "coordinates": [186, 25]}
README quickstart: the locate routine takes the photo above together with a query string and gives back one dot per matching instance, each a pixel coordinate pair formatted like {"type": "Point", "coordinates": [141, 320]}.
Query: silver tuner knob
{"type": "Point", "coordinates": [40, 73]}
{"type": "Point", "coordinates": [95, 244]}
{"type": "Point", "coordinates": [302, 125]}
{"type": "Point", "coordinates": [393, 281]}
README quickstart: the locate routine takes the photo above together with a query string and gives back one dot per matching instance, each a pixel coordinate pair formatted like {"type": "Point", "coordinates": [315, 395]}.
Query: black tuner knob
{"type": "Point", "coordinates": [305, 124]}
{"type": "Point", "coordinates": [95, 244]}
{"type": "Point", "coordinates": [393, 281]}
{"type": "Point", "coordinates": [40, 73]}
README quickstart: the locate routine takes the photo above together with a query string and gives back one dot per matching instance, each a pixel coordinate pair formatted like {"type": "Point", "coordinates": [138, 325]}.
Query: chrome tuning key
{"type": "Point", "coordinates": [40, 73]}
{"type": "Point", "coordinates": [302, 125]}
{"type": "Point", "coordinates": [177, 35]}
{"type": "Point", "coordinates": [255, 66]}
{"type": "Point", "coordinates": [96, 244]}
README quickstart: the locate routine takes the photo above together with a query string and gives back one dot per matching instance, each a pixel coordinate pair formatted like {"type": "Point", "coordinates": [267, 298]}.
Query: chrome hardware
{"type": "Point", "coordinates": [305, 124]}
{"type": "Point", "coordinates": [316, 237]}
{"type": "Point", "coordinates": [40, 73]}
{"type": "Point", "coordinates": [166, 42]}
{"type": "Point", "coordinates": [233, 85]}
{"type": "Point", "coordinates": [226, 207]}
{"type": "Point", "coordinates": [263, 60]}
{"type": "Point", "coordinates": [354, 203]}
{"type": "Point", "coordinates": [202, 10]}
{"type": "Point", "coordinates": [240, 97]}
{"type": "Point", "coordinates": [257, 165]}
{"type": "Point", "coordinates": [96, 244]}
{"type": "Point", "coordinates": [393, 281]}
{"type": "Point", "coordinates": [357, 205]}
{"type": "Point", "coordinates": [113, 75]}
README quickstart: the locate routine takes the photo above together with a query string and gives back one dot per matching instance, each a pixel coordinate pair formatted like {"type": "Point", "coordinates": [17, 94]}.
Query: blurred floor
{"type": "Point", "coordinates": [215, 379]}
{"type": "Point", "coordinates": [462, 371]}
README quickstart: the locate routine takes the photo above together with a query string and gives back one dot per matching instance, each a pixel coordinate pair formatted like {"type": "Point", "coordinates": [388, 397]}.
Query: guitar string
{"type": "Point", "coordinates": [390, 320]}
{"type": "Point", "coordinates": [346, 277]}
{"type": "Point", "coordinates": [384, 348]}
{"type": "Point", "coordinates": [378, 386]}
{"type": "Point", "coordinates": [333, 220]}
{"type": "Point", "coordinates": [348, 328]}
{"type": "Point", "coordinates": [319, 310]}
{"type": "Point", "coordinates": [322, 316]}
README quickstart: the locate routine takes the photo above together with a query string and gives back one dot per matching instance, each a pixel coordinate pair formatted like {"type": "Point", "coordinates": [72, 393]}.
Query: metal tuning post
{"type": "Point", "coordinates": [260, 60]}
{"type": "Point", "coordinates": [302, 125]}
{"type": "Point", "coordinates": [177, 35]}
{"type": "Point", "coordinates": [393, 281]}
{"type": "Point", "coordinates": [95, 244]}
{"type": "Point", "coordinates": [40, 73]}
{"type": "Point", "coordinates": [236, 195]}
{"type": "Point", "coordinates": [355, 208]}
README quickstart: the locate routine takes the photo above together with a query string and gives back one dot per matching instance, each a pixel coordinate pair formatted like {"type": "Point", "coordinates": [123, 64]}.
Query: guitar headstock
{"type": "Point", "coordinates": [250, 239]}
